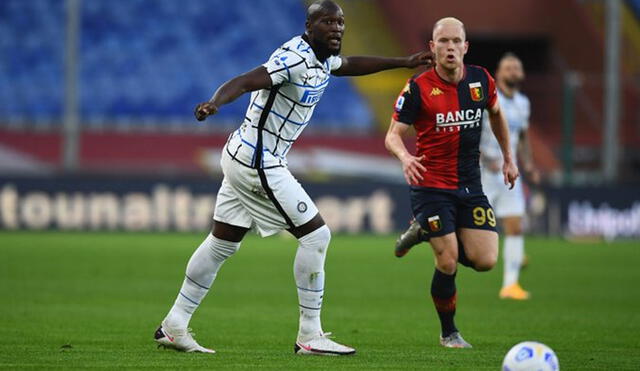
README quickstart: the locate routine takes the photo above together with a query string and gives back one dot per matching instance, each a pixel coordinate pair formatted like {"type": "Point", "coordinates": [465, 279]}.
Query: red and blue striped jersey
{"type": "Point", "coordinates": [448, 122]}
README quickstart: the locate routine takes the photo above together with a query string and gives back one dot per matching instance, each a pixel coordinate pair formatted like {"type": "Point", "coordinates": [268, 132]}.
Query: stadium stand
{"type": "Point", "coordinates": [150, 61]}
{"type": "Point", "coordinates": [31, 67]}
{"type": "Point", "coordinates": [635, 6]}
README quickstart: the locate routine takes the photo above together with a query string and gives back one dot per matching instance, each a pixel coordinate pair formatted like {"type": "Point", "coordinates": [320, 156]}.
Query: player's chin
{"type": "Point", "coordinates": [451, 65]}
{"type": "Point", "coordinates": [335, 50]}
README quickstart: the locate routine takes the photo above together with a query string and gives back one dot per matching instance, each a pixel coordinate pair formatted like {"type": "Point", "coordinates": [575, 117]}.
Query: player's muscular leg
{"type": "Point", "coordinates": [481, 247]}
{"type": "Point", "coordinates": [308, 269]}
{"type": "Point", "coordinates": [512, 225]}
{"type": "Point", "coordinates": [445, 249]}
{"type": "Point", "coordinates": [307, 227]}
{"type": "Point", "coordinates": [228, 232]}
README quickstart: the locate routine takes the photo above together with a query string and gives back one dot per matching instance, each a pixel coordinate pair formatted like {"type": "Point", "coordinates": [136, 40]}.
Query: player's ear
{"type": "Point", "coordinates": [466, 47]}
{"type": "Point", "coordinates": [432, 47]}
{"type": "Point", "coordinates": [307, 27]}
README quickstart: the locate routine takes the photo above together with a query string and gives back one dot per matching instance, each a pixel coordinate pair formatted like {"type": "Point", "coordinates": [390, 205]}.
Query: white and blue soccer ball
{"type": "Point", "coordinates": [530, 356]}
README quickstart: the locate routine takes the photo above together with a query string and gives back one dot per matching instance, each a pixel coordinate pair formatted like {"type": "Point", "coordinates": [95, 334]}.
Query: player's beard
{"type": "Point", "coordinates": [331, 51]}
{"type": "Point", "coordinates": [513, 83]}
{"type": "Point", "coordinates": [326, 49]}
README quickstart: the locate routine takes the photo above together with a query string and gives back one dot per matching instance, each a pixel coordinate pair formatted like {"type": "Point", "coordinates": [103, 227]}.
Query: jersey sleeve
{"type": "Point", "coordinates": [492, 95]}
{"type": "Point", "coordinates": [335, 62]}
{"type": "Point", "coordinates": [285, 66]}
{"type": "Point", "coordinates": [408, 104]}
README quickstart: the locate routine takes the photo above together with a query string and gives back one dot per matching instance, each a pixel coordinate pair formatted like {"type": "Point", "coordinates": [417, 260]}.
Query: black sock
{"type": "Point", "coordinates": [462, 256]}
{"type": "Point", "coordinates": [443, 293]}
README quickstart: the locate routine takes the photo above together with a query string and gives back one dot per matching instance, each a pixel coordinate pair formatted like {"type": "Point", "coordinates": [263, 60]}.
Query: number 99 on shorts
{"type": "Point", "coordinates": [482, 216]}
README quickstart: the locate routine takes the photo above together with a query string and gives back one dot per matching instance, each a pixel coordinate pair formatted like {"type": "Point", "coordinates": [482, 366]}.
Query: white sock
{"type": "Point", "coordinates": [201, 271]}
{"type": "Point", "coordinates": [513, 255]}
{"type": "Point", "coordinates": [308, 269]}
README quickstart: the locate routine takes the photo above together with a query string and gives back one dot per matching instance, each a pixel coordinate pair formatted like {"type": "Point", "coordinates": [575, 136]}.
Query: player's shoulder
{"type": "Point", "coordinates": [475, 71]}
{"type": "Point", "coordinates": [423, 78]}
{"type": "Point", "coordinates": [294, 50]}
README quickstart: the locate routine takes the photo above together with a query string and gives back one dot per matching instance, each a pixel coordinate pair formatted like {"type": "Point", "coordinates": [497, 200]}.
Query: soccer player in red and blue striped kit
{"type": "Point", "coordinates": [445, 105]}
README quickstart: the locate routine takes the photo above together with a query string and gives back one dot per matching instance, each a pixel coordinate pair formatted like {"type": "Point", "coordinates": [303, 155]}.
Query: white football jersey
{"type": "Point", "coordinates": [516, 111]}
{"type": "Point", "coordinates": [276, 116]}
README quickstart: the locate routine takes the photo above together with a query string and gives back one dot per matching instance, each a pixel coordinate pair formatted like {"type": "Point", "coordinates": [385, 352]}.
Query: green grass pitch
{"type": "Point", "coordinates": [93, 300]}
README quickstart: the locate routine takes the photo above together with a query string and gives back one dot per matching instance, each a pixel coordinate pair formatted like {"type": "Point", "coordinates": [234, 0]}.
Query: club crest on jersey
{"type": "Point", "coordinates": [302, 207]}
{"type": "Point", "coordinates": [311, 96]}
{"type": "Point", "coordinates": [434, 223]}
{"type": "Point", "coordinates": [476, 91]}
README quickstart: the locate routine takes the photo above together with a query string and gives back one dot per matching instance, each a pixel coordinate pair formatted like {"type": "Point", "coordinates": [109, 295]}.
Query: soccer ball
{"type": "Point", "coordinates": [530, 356]}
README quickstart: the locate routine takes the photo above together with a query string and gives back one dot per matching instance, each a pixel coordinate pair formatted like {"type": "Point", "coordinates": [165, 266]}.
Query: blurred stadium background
{"type": "Point", "coordinates": [96, 100]}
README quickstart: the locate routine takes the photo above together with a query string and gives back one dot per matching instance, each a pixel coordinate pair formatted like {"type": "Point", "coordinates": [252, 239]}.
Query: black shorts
{"type": "Point", "coordinates": [442, 211]}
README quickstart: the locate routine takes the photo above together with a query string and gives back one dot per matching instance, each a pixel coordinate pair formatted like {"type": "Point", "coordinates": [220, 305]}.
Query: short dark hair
{"type": "Point", "coordinates": [326, 5]}
{"type": "Point", "coordinates": [508, 55]}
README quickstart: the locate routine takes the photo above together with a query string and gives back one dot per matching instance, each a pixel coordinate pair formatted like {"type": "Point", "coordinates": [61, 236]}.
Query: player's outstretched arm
{"type": "Point", "coordinates": [411, 165]}
{"type": "Point", "coordinates": [501, 131]}
{"type": "Point", "coordinates": [364, 65]}
{"type": "Point", "coordinates": [256, 79]}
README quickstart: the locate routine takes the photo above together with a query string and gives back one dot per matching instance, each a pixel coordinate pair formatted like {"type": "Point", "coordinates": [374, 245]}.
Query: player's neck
{"type": "Point", "coordinates": [321, 56]}
{"type": "Point", "coordinates": [453, 76]}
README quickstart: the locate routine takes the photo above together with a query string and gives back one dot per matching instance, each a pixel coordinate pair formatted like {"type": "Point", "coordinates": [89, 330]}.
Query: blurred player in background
{"type": "Point", "coordinates": [509, 204]}
{"type": "Point", "coordinates": [258, 191]}
{"type": "Point", "coordinates": [445, 105]}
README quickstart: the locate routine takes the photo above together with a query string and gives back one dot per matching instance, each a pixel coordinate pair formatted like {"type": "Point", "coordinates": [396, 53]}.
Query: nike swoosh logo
{"type": "Point", "coordinates": [167, 335]}
{"type": "Point", "coordinates": [305, 347]}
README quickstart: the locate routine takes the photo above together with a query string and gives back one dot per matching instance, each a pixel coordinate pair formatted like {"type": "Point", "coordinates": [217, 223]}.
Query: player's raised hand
{"type": "Point", "coordinates": [424, 58]}
{"type": "Point", "coordinates": [205, 109]}
{"type": "Point", "coordinates": [413, 169]}
{"type": "Point", "coordinates": [511, 173]}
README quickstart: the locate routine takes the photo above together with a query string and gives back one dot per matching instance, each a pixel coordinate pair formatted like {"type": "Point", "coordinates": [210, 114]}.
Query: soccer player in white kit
{"type": "Point", "coordinates": [258, 191]}
{"type": "Point", "coordinates": [509, 205]}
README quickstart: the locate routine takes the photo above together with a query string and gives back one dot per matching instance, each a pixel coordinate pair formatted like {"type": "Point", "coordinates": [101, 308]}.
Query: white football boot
{"type": "Point", "coordinates": [454, 340]}
{"type": "Point", "coordinates": [321, 345]}
{"type": "Point", "coordinates": [178, 339]}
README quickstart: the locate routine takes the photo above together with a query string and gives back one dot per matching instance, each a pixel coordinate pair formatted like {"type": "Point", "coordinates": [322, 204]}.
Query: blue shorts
{"type": "Point", "coordinates": [443, 211]}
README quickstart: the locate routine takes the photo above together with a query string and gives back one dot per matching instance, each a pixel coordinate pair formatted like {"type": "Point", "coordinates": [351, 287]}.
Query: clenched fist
{"type": "Point", "coordinates": [205, 109]}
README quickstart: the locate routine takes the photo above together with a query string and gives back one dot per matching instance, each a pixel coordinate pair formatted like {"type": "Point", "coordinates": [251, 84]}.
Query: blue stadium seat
{"type": "Point", "coordinates": [150, 60]}
{"type": "Point", "coordinates": [635, 7]}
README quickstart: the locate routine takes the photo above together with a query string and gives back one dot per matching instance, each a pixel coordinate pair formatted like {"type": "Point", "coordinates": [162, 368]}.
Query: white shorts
{"type": "Point", "coordinates": [505, 202]}
{"type": "Point", "coordinates": [267, 200]}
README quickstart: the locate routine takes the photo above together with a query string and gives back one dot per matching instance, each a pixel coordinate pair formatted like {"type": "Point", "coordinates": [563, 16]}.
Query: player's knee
{"type": "Point", "coordinates": [447, 265]}
{"type": "Point", "coordinates": [485, 263]}
{"type": "Point", "coordinates": [513, 226]}
{"type": "Point", "coordinates": [317, 240]}
{"type": "Point", "coordinates": [222, 250]}
{"type": "Point", "coordinates": [514, 230]}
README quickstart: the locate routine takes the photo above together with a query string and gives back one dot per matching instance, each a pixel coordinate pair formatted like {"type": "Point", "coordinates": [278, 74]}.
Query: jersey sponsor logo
{"type": "Point", "coordinates": [466, 118]}
{"type": "Point", "coordinates": [436, 91]}
{"type": "Point", "coordinates": [476, 91]}
{"type": "Point", "coordinates": [399, 103]}
{"type": "Point", "coordinates": [311, 96]}
{"type": "Point", "coordinates": [434, 223]}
